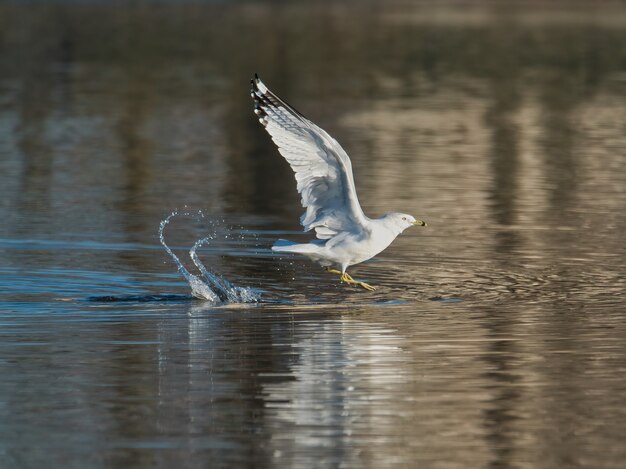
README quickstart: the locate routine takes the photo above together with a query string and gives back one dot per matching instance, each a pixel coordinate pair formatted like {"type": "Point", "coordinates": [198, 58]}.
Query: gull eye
{"type": "Point", "coordinates": [404, 218]}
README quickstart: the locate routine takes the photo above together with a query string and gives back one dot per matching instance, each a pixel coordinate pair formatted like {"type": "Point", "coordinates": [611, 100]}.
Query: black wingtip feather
{"type": "Point", "coordinates": [270, 100]}
{"type": "Point", "coordinates": [258, 101]}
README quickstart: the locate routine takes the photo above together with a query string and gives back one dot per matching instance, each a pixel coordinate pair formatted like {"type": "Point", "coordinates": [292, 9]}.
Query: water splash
{"type": "Point", "coordinates": [211, 287]}
{"type": "Point", "coordinates": [223, 288]}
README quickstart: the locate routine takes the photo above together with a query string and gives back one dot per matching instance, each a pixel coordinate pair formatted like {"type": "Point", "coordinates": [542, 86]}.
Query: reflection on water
{"type": "Point", "coordinates": [504, 128]}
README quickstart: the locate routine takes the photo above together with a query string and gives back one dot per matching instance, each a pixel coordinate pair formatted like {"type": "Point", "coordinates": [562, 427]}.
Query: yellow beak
{"type": "Point", "coordinates": [419, 223]}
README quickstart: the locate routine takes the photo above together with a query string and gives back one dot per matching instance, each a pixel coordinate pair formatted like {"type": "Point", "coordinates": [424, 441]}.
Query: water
{"type": "Point", "coordinates": [496, 337]}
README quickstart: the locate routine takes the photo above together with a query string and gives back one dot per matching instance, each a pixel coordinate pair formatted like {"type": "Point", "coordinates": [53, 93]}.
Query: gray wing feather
{"type": "Point", "coordinates": [322, 168]}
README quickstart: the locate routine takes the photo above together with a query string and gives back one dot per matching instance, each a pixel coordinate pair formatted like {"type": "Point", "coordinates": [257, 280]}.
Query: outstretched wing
{"type": "Point", "coordinates": [322, 168]}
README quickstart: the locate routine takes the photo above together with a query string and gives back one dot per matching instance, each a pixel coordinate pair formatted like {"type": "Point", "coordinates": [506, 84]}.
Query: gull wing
{"type": "Point", "coordinates": [322, 168]}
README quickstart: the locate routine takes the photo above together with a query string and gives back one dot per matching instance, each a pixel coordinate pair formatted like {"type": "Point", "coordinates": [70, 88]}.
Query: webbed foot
{"type": "Point", "coordinates": [350, 281]}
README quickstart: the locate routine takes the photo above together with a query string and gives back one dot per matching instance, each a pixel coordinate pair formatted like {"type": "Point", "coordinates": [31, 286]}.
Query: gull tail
{"type": "Point", "coordinates": [282, 245]}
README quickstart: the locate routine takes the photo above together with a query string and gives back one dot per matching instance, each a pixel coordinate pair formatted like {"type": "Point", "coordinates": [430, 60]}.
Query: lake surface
{"type": "Point", "coordinates": [497, 337]}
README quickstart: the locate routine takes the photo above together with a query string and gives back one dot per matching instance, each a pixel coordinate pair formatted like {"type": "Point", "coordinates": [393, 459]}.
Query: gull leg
{"type": "Point", "coordinates": [345, 277]}
{"type": "Point", "coordinates": [333, 271]}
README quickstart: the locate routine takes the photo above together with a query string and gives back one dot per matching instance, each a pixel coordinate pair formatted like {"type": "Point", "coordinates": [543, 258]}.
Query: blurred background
{"type": "Point", "coordinates": [502, 124]}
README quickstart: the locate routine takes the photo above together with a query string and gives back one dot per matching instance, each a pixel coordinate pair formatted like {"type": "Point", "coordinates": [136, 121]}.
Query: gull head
{"type": "Point", "coordinates": [401, 221]}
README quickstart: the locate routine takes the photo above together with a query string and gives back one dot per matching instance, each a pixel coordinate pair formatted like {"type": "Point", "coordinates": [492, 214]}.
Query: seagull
{"type": "Point", "coordinates": [345, 236]}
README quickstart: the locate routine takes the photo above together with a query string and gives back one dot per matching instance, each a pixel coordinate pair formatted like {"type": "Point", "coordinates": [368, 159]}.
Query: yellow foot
{"type": "Point", "coordinates": [350, 281]}
{"type": "Point", "coordinates": [367, 286]}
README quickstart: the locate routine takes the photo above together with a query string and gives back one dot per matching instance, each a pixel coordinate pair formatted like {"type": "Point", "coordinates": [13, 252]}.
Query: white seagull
{"type": "Point", "coordinates": [324, 175]}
